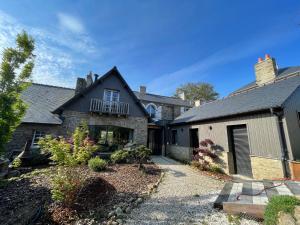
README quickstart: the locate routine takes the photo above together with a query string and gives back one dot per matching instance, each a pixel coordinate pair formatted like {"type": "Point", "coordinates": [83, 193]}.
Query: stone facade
{"type": "Point", "coordinates": [25, 131]}
{"type": "Point", "coordinates": [264, 168]}
{"type": "Point", "coordinates": [139, 124]}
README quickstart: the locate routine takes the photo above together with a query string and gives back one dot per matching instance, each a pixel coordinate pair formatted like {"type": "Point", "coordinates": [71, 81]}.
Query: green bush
{"type": "Point", "coordinates": [97, 164]}
{"type": "Point", "coordinates": [120, 156]}
{"type": "Point", "coordinates": [66, 185]}
{"type": "Point", "coordinates": [17, 162]}
{"type": "Point", "coordinates": [77, 150]}
{"type": "Point", "coordinates": [277, 204]}
{"type": "Point", "coordinates": [141, 153]}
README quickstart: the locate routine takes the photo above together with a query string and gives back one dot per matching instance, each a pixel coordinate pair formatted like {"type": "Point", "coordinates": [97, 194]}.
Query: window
{"type": "Point", "coordinates": [151, 109]}
{"type": "Point", "coordinates": [111, 95]}
{"type": "Point", "coordinates": [174, 137]}
{"type": "Point", "coordinates": [36, 137]}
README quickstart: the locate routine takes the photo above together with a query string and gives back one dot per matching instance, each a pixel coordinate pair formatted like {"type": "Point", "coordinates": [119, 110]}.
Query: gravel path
{"type": "Point", "coordinates": [183, 197]}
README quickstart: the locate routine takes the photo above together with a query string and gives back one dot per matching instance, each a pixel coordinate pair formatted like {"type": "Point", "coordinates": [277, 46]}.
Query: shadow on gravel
{"type": "Point", "coordinates": [173, 210]}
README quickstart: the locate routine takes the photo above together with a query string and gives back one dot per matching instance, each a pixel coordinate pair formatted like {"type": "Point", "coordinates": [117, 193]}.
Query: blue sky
{"type": "Point", "coordinates": [160, 44]}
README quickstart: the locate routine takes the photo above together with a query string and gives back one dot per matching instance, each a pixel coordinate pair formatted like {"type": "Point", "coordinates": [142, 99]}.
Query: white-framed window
{"type": "Point", "coordinates": [36, 137]}
{"type": "Point", "coordinates": [151, 109]}
{"type": "Point", "coordinates": [111, 95]}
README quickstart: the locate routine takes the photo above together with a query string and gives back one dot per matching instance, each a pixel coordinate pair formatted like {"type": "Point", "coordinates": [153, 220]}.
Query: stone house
{"type": "Point", "coordinates": [114, 113]}
{"type": "Point", "coordinates": [256, 129]}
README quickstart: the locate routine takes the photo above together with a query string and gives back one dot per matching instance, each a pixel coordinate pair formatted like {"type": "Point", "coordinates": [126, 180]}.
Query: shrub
{"type": "Point", "coordinates": [277, 204]}
{"type": "Point", "coordinates": [77, 150]}
{"type": "Point", "coordinates": [120, 156]}
{"type": "Point", "coordinates": [17, 162]}
{"type": "Point", "coordinates": [97, 164]}
{"type": "Point", "coordinates": [66, 185]}
{"type": "Point", "coordinates": [216, 169]}
{"type": "Point", "coordinates": [141, 153]}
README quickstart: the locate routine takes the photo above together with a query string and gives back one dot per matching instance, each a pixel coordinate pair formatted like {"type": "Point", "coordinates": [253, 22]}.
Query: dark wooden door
{"type": "Point", "coordinates": [241, 150]}
{"type": "Point", "coordinates": [155, 141]}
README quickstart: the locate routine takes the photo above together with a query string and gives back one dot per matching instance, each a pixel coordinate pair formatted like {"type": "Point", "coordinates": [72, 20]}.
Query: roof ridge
{"type": "Point", "coordinates": [55, 86]}
{"type": "Point", "coordinates": [163, 96]}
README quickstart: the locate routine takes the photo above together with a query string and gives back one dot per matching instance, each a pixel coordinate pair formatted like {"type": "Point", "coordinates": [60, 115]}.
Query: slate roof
{"type": "Point", "coordinates": [42, 100]}
{"type": "Point", "coordinates": [162, 99]}
{"type": "Point", "coordinates": [282, 73]}
{"type": "Point", "coordinates": [265, 97]}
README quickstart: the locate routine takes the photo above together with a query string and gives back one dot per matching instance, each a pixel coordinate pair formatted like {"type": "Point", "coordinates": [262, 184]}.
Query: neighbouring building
{"type": "Point", "coordinates": [256, 128]}
{"type": "Point", "coordinates": [114, 113]}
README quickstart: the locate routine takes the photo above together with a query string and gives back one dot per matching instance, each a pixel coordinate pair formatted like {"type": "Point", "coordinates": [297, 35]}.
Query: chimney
{"type": "Point", "coordinates": [89, 79]}
{"type": "Point", "coordinates": [197, 103]}
{"type": "Point", "coordinates": [96, 77]}
{"type": "Point", "coordinates": [182, 95]}
{"type": "Point", "coordinates": [80, 85]}
{"type": "Point", "coordinates": [143, 90]}
{"type": "Point", "coordinates": [265, 70]}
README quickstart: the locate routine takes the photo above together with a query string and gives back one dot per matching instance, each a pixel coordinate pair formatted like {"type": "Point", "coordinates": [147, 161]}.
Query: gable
{"type": "Point", "coordinates": [112, 81]}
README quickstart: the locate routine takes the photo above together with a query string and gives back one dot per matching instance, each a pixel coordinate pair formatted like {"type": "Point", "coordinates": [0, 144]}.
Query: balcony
{"type": "Point", "coordinates": [110, 107]}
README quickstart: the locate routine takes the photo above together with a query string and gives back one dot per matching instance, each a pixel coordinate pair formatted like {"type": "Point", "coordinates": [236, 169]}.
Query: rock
{"type": "Point", "coordinates": [131, 199]}
{"type": "Point", "coordinates": [119, 212]}
{"type": "Point", "coordinates": [286, 219]}
{"type": "Point", "coordinates": [119, 221]}
{"type": "Point", "coordinates": [110, 214]}
{"type": "Point", "coordinates": [297, 214]}
{"type": "Point", "coordinates": [128, 209]}
{"type": "Point", "coordinates": [139, 200]}
{"type": "Point", "coordinates": [114, 223]}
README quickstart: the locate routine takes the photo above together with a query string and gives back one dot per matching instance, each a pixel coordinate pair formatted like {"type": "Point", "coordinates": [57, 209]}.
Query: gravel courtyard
{"type": "Point", "coordinates": [183, 197]}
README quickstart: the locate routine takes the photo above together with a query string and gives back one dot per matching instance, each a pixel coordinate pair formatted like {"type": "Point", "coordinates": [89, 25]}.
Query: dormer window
{"type": "Point", "coordinates": [151, 109]}
{"type": "Point", "coordinates": [111, 95]}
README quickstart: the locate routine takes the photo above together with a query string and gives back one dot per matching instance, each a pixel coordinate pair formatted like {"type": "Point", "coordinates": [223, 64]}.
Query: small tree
{"type": "Point", "coordinates": [15, 71]}
{"type": "Point", "coordinates": [197, 91]}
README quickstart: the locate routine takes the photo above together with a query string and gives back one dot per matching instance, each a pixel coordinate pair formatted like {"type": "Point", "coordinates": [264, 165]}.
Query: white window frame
{"type": "Point", "coordinates": [111, 95]}
{"type": "Point", "coordinates": [36, 136]}
{"type": "Point", "coordinates": [155, 109]}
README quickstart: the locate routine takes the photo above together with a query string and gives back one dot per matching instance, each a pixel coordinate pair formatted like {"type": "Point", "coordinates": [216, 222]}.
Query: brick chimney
{"type": "Point", "coordinates": [143, 90]}
{"type": "Point", "coordinates": [80, 85]}
{"type": "Point", "coordinates": [265, 70]}
{"type": "Point", "coordinates": [89, 79]}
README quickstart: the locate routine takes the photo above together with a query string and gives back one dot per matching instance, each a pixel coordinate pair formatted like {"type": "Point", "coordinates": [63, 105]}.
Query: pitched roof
{"type": "Point", "coordinates": [162, 99]}
{"type": "Point", "coordinates": [282, 73]}
{"type": "Point", "coordinates": [42, 100]}
{"type": "Point", "coordinates": [113, 71]}
{"type": "Point", "coordinates": [265, 97]}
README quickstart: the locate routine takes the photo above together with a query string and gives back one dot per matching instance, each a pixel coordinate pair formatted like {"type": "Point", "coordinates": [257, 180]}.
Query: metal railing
{"type": "Point", "coordinates": [110, 107]}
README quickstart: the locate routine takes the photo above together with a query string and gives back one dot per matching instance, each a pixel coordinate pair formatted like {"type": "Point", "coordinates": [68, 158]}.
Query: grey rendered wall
{"type": "Point", "coordinates": [263, 134]}
{"type": "Point", "coordinates": [111, 82]}
{"type": "Point", "coordinates": [291, 109]}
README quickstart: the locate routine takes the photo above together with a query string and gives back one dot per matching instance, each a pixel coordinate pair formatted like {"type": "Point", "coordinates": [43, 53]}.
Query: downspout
{"type": "Point", "coordinates": [284, 150]}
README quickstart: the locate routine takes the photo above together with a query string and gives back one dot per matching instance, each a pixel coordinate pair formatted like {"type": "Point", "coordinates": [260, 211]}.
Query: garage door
{"type": "Point", "coordinates": [241, 150]}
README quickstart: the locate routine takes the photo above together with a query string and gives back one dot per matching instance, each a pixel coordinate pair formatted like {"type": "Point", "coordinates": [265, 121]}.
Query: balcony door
{"type": "Point", "coordinates": [111, 99]}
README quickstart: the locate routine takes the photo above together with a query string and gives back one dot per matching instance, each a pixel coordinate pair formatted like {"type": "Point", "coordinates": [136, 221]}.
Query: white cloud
{"type": "Point", "coordinates": [71, 23]}
{"type": "Point", "coordinates": [57, 54]}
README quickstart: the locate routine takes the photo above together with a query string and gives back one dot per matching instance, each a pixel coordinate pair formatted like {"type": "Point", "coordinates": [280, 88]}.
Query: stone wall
{"type": "Point", "coordinates": [264, 168]}
{"type": "Point", "coordinates": [139, 124]}
{"type": "Point", "coordinates": [179, 152]}
{"type": "Point", "coordinates": [25, 132]}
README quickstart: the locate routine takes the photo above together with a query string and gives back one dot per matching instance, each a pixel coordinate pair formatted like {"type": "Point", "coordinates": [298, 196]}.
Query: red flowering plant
{"type": "Point", "coordinates": [204, 155]}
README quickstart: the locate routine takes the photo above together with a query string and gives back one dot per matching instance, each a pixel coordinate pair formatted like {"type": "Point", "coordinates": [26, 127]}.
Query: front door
{"type": "Point", "coordinates": [155, 141]}
{"type": "Point", "coordinates": [241, 150]}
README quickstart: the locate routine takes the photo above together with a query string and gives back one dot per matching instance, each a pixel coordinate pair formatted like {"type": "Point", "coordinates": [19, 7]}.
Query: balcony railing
{"type": "Point", "coordinates": [101, 106]}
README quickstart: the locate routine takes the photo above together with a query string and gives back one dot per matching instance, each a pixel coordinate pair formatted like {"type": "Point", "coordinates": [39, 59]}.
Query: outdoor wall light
{"type": "Point", "coordinates": [210, 127]}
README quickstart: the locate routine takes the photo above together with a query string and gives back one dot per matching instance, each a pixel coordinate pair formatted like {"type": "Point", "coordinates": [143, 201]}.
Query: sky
{"type": "Point", "coordinates": [161, 44]}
